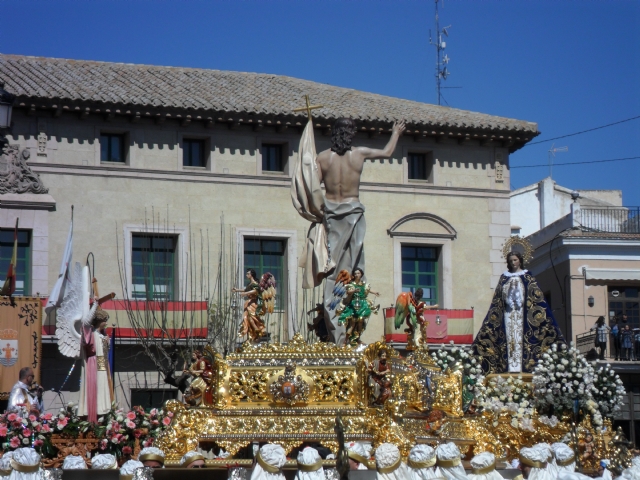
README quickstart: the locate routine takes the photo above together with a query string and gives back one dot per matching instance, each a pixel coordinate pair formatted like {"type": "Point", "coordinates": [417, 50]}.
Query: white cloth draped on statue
{"type": "Point", "coordinates": [513, 297]}
{"type": "Point", "coordinates": [483, 467]}
{"type": "Point", "coordinates": [308, 199]}
{"type": "Point", "coordinates": [271, 459]}
{"type": "Point", "coordinates": [309, 465]}
{"type": "Point", "coordinates": [449, 462]}
{"type": "Point", "coordinates": [536, 458]}
{"type": "Point", "coordinates": [389, 463]}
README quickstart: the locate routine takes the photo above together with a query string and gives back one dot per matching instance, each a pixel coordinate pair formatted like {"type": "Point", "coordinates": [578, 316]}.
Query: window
{"type": "Point", "coordinates": [420, 270]}
{"type": "Point", "coordinates": [419, 167]}
{"type": "Point", "coordinates": [193, 153]}
{"type": "Point", "coordinates": [153, 266]}
{"type": "Point", "coordinates": [625, 301]}
{"type": "Point", "coordinates": [149, 399]}
{"type": "Point", "coordinates": [267, 255]}
{"type": "Point", "coordinates": [23, 267]}
{"type": "Point", "coordinates": [272, 158]}
{"type": "Point", "coordinates": [112, 148]}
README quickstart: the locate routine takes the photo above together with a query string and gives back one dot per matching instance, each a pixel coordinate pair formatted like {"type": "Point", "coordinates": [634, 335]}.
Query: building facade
{"type": "Point", "coordinates": [180, 180]}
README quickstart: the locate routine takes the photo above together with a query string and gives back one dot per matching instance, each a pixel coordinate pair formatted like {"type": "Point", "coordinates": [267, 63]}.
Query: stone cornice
{"type": "Point", "coordinates": [254, 180]}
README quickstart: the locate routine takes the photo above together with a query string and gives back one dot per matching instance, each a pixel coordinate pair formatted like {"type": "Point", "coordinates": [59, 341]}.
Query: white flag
{"type": "Point", "coordinates": [57, 292]}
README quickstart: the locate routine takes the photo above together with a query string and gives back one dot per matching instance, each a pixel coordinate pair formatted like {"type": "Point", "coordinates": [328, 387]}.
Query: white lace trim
{"type": "Point", "coordinates": [507, 273]}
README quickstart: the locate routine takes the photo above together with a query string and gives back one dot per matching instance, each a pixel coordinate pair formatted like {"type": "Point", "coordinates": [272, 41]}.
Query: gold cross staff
{"type": "Point", "coordinates": [308, 108]}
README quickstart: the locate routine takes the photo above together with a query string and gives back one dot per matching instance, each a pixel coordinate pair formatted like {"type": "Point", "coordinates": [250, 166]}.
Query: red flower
{"type": "Point", "coordinates": [12, 417]}
{"type": "Point", "coordinates": [126, 450]}
{"type": "Point", "coordinates": [3, 430]}
{"type": "Point", "coordinates": [137, 433]}
{"type": "Point", "coordinates": [14, 442]}
{"type": "Point", "coordinates": [47, 416]}
{"type": "Point", "coordinates": [46, 428]}
{"type": "Point", "coordinates": [32, 418]}
{"type": "Point", "coordinates": [38, 443]}
{"type": "Point", "coordinates": [26, 432]}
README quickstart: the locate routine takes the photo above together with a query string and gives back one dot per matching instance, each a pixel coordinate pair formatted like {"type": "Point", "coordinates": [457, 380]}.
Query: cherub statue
{"type": "Point", "coordinates": [352, 305]}
{"type": "Point", "coordinates": [260, 300]}
{"type": "Point", "coordinates": [380, 379]}
{"type": "Point", "coordinates": [410, 310]}
{"type": "Point", "coordinates": [200, 370]}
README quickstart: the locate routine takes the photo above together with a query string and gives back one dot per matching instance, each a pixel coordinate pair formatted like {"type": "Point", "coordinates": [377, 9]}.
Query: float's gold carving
{"type": "Point", "coordinates": [332, 385]}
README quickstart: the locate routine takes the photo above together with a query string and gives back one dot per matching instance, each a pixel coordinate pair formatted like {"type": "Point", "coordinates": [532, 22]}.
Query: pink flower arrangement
{"type": "Point", "coordinates": [131, 415]}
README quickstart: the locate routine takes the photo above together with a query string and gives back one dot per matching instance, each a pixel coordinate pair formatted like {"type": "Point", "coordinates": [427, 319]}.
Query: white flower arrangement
{"type": "Point", "coordinates": [463, 356]}
{"type": "Point", "coordinates": [563, 375]}
{"type": "Point", "coordinates": [509, 395]}
{"type": "Point", "coordinates": [607, 391]}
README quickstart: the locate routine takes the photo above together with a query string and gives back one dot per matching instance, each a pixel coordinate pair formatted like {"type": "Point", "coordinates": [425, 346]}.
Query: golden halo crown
{"type": "Point", "coordinates": [525, 247]}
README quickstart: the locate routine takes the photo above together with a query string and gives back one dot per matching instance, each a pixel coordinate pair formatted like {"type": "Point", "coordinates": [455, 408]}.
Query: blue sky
{"type": "Point", "coordinates": [567, 65]}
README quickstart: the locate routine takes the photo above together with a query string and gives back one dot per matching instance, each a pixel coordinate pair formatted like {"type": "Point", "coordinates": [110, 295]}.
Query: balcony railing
{"type": "Point", "coordinates": [610, 219]}
{"type": "Point", "coordinates": [615, 350]}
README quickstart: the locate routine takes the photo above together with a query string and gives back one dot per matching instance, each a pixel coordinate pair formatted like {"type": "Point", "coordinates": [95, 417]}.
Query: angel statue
{"type": "Point", "coordinates": [80, 328]}
{"type": "Point", "coordinates": [201, 372]}
{"type": "Point", "coordinates": [260, 300]}
{"type": "Point", "coordinates": [352, 305]}
{"type": "Point", "coordinates": [410, 310]}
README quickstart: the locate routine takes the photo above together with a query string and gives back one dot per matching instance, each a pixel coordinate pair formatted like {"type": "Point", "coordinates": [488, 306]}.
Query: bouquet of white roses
{"type": "Point", "coordinates": [509, 395]}
{"type": "Point", "coordinates": [607, 391]}
{"type": "Point", "coordinates": [561, 378]}
{"type": "Point", "coordinates": [462, 356]}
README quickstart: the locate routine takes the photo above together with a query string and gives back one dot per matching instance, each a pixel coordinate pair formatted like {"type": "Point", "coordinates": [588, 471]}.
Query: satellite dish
{"type": "Point", "coordinates": [444, 30]}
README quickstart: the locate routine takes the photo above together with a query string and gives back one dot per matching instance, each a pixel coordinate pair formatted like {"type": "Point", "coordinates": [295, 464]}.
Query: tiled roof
{"type": "Point", "coordinates": [199, 90]}
{"type": "Point", "coordinates": [583, 233]}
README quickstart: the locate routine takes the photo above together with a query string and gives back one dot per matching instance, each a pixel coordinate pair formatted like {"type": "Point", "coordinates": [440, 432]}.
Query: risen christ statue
{"type": "Point", "coordinates": [335, 240]}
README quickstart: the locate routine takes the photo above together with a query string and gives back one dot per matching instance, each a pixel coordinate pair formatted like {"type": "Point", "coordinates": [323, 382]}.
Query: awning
{"type": "Point", "coordinates": [612, 274]}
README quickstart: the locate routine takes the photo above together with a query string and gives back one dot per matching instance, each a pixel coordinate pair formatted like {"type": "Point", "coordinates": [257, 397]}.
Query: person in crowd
{"type": "Point", "coordinates": [533, 464]}
{"type": "Point", "coordinates": [192, 459]}
{"type": "Point", "coordinates": [151, 457]}
{"type": "Point", "coordinates": [422, 463]}
{"type": "Point", "coordinates": [565, 458]}
{"type": "Point", "coordinates": [270, 460]}
{"type": "Point", "coordinates": [389, 463]}
{"type": "Point", "coordinates": [26, 395]}
{"type": "Point", "coordinates": [25, 465]}
{"type": "Point", "coordinates": [615, 337]}
{"type": "Point", "coordinates": [636, 338]}
{"type": "Point", "coordinates": [104, 461]}
{"type": "Point", "coordinates": [309, 465]}
{"type": "Point", "coordinates": [129, 468]}
{"type": "Point", "coordinates": [483, 467]}
{"type": "Point", "coordinates": [74, 462]}
{"type": "Point", "coordinates": [449, 462]}
{"type": "Point", "coordinates": [626, 340]}
{"type": "Point", "coordinates": [602, 332]}
{"type": "Point", "coordinates": [358, 457]}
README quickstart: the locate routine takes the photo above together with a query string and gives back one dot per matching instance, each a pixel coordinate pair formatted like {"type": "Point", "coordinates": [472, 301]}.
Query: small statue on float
{"type": "Point", "coordinates": [81, 331]}
{"type": "Point", "coordinates": [259, 300]}
{"type": "Point", "coordinates": [410, 310]}
{"type": "Point", "coordinates": [380, 379]}
{"type": "Point", "coordinates": [201, 371]}
{"type": "Point", "coordinates": [351, 303]}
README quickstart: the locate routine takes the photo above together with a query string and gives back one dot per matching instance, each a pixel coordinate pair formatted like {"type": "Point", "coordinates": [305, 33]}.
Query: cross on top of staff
{"type": "Point", "coordinates": [308, 108]}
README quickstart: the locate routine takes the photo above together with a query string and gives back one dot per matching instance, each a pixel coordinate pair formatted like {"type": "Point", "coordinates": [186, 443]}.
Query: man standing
{"type": "Point", "coordinates": [335, 240]}
{"type": "Point", "coordinates": [23, 397]}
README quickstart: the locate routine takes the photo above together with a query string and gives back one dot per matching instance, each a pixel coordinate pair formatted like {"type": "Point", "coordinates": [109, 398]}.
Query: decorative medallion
{"type": "Point", "coordinates": [290, 388]}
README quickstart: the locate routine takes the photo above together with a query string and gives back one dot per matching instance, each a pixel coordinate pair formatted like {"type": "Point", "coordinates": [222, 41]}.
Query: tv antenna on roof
{"type": "Point", "coordinates": [442, 59]}
{"type": "Point", "coordinates": [552, 154]}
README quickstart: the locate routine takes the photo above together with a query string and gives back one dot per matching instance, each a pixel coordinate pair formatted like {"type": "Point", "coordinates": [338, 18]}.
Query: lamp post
{"type": "Point", "coordinates": [6, 108]}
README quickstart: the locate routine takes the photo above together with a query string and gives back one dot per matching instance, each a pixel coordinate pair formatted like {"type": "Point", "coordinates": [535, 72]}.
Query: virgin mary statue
{"type": "Point", "coordinates": [519, 326]}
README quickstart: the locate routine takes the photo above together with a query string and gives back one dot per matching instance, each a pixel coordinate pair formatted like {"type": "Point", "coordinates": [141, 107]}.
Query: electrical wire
{"type": "Point", "coordinates": [576, 163]}
{"type": "Point", "coordinates": [583, 131]}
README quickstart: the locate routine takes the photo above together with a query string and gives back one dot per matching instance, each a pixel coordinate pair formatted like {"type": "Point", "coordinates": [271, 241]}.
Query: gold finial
{"type": "Point", "coordinates": [308, 108]}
